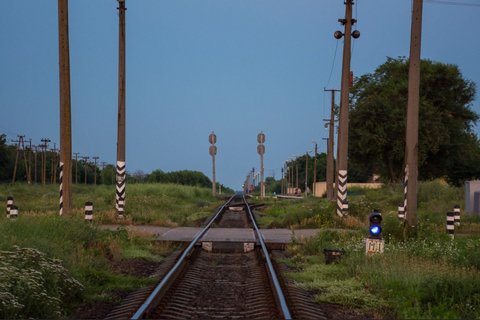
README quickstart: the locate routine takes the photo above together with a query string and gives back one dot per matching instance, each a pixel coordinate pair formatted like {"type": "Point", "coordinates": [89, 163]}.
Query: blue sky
{"type": "Point", "coordinates": [236, 67]}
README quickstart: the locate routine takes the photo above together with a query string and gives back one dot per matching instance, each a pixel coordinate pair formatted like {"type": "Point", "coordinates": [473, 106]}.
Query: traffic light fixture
{"type": "Point", "coordinates": [374, 243]}
{"type": "Point", "coordinates": [375, 225]}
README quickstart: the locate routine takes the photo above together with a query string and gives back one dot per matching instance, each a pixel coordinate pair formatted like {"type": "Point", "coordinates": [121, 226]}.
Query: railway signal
{"type": "Point", "coordinates": [375, 243]}
{"type": "Point", "coordinates": [212, 138]}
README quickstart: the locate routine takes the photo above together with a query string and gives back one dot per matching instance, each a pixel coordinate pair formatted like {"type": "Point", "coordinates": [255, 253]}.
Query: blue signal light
{"type": "Point", "coordinates": [375, 230]}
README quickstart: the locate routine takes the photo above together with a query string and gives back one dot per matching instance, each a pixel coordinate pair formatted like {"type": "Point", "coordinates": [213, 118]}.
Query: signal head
{"type": "Point", "coordinates": [356, 34]}
{"type": "Point", "coordinates": [338, 34]}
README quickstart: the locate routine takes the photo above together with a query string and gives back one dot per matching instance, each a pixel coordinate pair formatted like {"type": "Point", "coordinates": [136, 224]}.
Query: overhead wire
{"type": "Point", "coordinates": [453, 3]}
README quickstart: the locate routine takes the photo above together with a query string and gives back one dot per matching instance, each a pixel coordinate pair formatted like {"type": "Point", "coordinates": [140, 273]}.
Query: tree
{"type": "Point", "coordinates": [447, 145]}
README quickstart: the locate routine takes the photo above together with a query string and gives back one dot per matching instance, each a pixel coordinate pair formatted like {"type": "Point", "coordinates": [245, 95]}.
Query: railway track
{"type": "Point", "coordinates": [225, 283]}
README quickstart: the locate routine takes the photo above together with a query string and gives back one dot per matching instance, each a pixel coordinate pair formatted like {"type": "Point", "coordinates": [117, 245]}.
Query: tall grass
{"type": "Point", "coordinates": [425, 276]}
{"type": "Point", "coordinates": [160, 204]}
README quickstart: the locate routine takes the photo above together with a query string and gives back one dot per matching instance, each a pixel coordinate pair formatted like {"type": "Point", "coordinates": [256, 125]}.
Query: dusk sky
{"type": "Point", "coordinates": [236, 67]}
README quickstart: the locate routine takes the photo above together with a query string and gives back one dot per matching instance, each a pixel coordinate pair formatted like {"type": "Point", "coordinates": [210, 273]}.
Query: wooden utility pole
{"type": "Point", "coordinates": [44, 159]}
{"type": "Point", "coordinates": [411, 148]}
{"type": "Point", "coordinates": [35, 163]}
{"type": "Point", "coordinates": [29, 156]}
{"type": "Point", "coordinates": [95, 170]}
{"type": "Point", "coordinates": [330, 146]}
{"type": "Point", "coordinates": [306, 174]}
{"type": "Point", "coordinates": [85, 165]}
{"type": "Point", "coordinates": [54, 163]}
{"type": "Point", "coordinates": [20, 149]}
{"type": "Point", "coordinates": [121, 169]}
{"type": "Point", "coordinates": [314, 184]}
{"type": "Point", "coordinates": [65, 110]}
{"type": "Point", "coordinates": [76, 166]}
{"type": "Point", "coordinates": [342, 202]}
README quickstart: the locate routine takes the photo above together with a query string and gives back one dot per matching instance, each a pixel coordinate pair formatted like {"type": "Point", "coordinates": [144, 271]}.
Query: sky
{"type": "Point", "coordinates": [235, 67]}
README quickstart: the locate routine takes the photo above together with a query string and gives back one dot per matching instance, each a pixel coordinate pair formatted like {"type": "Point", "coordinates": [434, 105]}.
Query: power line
{"type": "Point", "coordinates": [333, 64]}
{"type": "Point", "coordinates": [453, 3]}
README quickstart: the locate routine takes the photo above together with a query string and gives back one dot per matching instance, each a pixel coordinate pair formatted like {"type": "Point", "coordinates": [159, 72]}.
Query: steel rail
{"type": "Point", "coordinates": [273, 274]}
{"type": "Point", "coordinates": [147, 304]}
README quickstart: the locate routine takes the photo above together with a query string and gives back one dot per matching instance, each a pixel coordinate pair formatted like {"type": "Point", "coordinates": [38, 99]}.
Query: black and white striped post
{"type": "Point", "coordinates": [401, 212]}
{"type": "Point", "coordinates": [405, 189]}
{"type": "Point", "coordinates": [456, 210]}
{"type": "Point", "coordinates": [13, 212]}
{"type": "Point", "coordinates": [10, 204]}
{"type": "Point", "coordinates": [342, 203]}
{"type": "Point", "coordinates": [451, 223]}
{"type": "Point", "coordinates": [89, 211]}
{"type": "Point", "coordinates": [60, 189]}
{"type": "Point", "coordinates": [120, 189]}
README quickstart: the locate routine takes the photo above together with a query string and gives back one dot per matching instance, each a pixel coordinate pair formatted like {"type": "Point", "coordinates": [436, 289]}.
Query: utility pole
{"type": "Point", "coordinates": [35, 163]}
{"type": "Point", "coordinates": [212, 138]}
{"type": "Point", "coordinates": [330, 145]}
{"type": "Point", "coordinates": [76, 166]}
{"type": "Point", "coordinates": [121, 170]}
{"type": "Point", "coordinates": [411, 148]}
{"type": "Point", "coordinates": [314, 185]}
{"type": "Point", "coordinates": [54, 163]}
{"type": "Point", "coordinates": [65, 110]}
{"type": "Point", "coordinates": [29, 152]}
{"type": "Point", "coordinates": [306, 174]}
{"type": "Point", "coordinates": [342, 202]}
{"type": "Point", "coordinates": [44, 159]}
{"type": "Point", "coordinates": [20, 149]}
{"type": "Point", "coordinates": [85, 164]}
{"type": "Point", "coordinates": [95, 170]}
{"type": "Point", "coordinates": [261, 152]}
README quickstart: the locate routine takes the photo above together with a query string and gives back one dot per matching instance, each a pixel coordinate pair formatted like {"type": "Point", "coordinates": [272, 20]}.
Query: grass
{"type": "Point", "coordinates": [158, 204]}
{"type": "Point", "coordinates": [425, 276]}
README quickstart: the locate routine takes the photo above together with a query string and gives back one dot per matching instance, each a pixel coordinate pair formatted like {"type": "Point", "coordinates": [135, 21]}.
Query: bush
{"type": "Point", "coordinates": [32, 285]}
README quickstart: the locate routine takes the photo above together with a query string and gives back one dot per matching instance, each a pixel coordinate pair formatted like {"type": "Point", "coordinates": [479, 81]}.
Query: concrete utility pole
{"type": "Point", "coordinates": [330, 146]}
{"type": "Point", "coordinates": [95, 170]}
{"type": "Point", "coordinates": [65, 110]}
{"type": "Point", "coordinates": [121, 169]}
{"type": "Point", "coordinates": [212, 138]}
{"type": "Point", "coordinates": [261, 152]}
{"type": "Point", "coordinates": [342, 202]}
{"type": "Point", "coordinates": [411, 149]}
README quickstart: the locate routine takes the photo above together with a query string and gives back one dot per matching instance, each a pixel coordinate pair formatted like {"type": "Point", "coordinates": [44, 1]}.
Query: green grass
{"type": "Point", "coordinates": [424, 276]}
{"type": "Point", "coordinates": [159, 204]}
{"type": "Point", "coordinates": [84, 251]}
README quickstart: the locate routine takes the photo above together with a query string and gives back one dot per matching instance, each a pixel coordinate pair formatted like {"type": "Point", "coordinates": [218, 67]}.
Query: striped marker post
{"type": "Point", "coordinates": [13, 212]}
{"type": "Point", "coordinates": [89, 211]}
{"type": "Point", "coordinates": [451, 224]}
{"type": "Point", "coordinates": [120, 189]}
{"type": "Point", "coordinates": [401, 212]}
{"type": "Point", "coordinates": [10, 204]}
{"type": "Point", "coordinates": [60, 189]}
{"type": "Point", "coordinates": [456, 210]}
{"type": "Point", "coordinates": [342, 203]}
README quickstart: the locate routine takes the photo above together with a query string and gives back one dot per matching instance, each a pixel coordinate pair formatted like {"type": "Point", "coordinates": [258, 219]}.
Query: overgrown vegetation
{"type": "Point", "coordinates": [49, 265]}
{"type": "Point", "coordinates": [160, 204]}
{"type": "Point", "coordinates": [427, 276]}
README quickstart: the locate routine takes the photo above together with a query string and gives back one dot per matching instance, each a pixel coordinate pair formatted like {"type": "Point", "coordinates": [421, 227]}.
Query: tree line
{"type": "Point", "coordinates": [33, 165]}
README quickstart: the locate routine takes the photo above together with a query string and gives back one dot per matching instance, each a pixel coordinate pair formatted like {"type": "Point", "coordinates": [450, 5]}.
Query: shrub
{"type": "Point", "coordinates": [32, 285]}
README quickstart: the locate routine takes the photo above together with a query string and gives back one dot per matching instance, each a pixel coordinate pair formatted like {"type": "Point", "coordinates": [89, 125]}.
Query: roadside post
{"type": "Point", "coordinates": [88, 211]}
{"type": "Point", "coordinates": [10, 203]}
